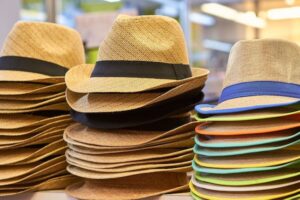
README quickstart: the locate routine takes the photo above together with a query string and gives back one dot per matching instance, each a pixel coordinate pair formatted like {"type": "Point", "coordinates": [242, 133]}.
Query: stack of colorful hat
{"type": "Point", "coordinates": [133, 138]}
{"type": "Point", "coordinates": [33, 110]}
{"type": "Point", "coordinates": [249, 144]}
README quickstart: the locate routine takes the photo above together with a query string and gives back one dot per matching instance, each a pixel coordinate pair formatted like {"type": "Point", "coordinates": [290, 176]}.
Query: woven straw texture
{"type": "Point", "coordinates": [143, 38]}
{"type": "Point", "coordinates": [45, 41]}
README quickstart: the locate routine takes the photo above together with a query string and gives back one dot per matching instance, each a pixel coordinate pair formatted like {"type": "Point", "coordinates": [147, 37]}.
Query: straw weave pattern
{"type": "Point", "coordinates": [146, 38]}
{"type": "Point", "coordinates": [45, 41]}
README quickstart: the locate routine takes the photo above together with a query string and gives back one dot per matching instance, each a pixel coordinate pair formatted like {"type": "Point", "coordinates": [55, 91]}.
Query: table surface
{"type": "Point", "coordinates": [60, 195]}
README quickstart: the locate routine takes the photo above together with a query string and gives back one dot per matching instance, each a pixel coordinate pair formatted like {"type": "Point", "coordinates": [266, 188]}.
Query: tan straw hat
{"type": "Point", "coordinates": [133, 187]}
{"type": "Point", "coordinates": [139, 54]}
{"type": "Point", "coordinates": [260, 74]}
{"type": "Point", "coordinates": [40, 52]}
{"type": "Point", "coordinates": [113, 102]}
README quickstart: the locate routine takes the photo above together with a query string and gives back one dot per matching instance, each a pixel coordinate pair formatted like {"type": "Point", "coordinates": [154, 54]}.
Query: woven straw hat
{"type": "Point", "coordinates": [133, 187]}
{"type": "Point", "coordinates": [248, 127]}
{"type": "Point", "coordinates": [139, 54]}
{"type": "Point", "coordinates": [113, 102]}
{"type": "Point", "coordinates": [260, 74]}
{"type": "Point", "coordinates": [253, 188]}
{"type": "Point", "coordinates": [40, 52]}
{"type": "Point", "coordinates": [278, 193]}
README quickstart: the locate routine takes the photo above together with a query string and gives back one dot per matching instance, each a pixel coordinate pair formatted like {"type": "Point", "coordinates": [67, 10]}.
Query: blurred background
{"type": "Point", "coordinates": [210, 27]}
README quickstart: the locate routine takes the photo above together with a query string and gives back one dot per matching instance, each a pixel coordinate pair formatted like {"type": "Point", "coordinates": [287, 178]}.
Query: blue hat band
{"type": "Point", "coordinates": [260, 88]}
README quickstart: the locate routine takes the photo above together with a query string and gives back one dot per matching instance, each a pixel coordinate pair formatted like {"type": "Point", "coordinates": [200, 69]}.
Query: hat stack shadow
{"type": "Point", "coordinates": [133, 135]}
{"type": "Point", "coordinates": [33, 110]}
{"type": "Point", "coordinates": [248, 146]}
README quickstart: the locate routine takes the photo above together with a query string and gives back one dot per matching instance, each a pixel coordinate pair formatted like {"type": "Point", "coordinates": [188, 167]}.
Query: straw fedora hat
{"type": "Point", "coordinates": [40, 52]}
{"type": "Point", "coordinates": [139, 54]}
{"type": "Point", "coordinates": [260, 74]}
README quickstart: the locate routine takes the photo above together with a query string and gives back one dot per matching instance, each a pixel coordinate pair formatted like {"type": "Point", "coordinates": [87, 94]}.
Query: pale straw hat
{"type": "Point", "coordinates": [40, 52]}
{"type": "Point", "coordinates": [139, 54]}
{"type": "Point", "coordinates": [260, 74]}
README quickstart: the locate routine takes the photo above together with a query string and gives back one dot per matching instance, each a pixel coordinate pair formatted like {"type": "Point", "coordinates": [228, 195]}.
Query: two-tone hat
{"type": "Point", "coordinates": [260, 74]}
{"type": "Point", "coordinates": [39, 52]}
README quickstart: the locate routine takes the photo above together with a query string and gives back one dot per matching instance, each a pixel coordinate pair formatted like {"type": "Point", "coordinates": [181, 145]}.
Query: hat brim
{"type": "Point", "coordinates": [32, 97]}
{"type": "Point", "coordinates": [20, 105]}
{"type": "Point", "coordinates": [248, 127]}
{"type": "Point", "coordinates": [249, 178]}
{"type": "Point", "coordinates": [246, 104]}
{"type": "Point", "coordinates": [21, 76]}
{"type": "Point", "coordinates": [95, 103]}
{"type": "Point", "coordinates": [263, 159]}
{"type": "Point", "coordinates": [252, 188]}
{"type": "Point", "coordinates": [9, 88]}
{"type": "Point", "coordinates": [252, 115]}
{"type": "Point", "coordinates": [134, 187]}
{"type": "Point", "coordinates": [52, 107]}
{"type": "Point", "coordinates": [278, 193]}
{"type": "Point", "coordinates": [223, 142]}
{"type": "Point", "coordinates": [78, 79]}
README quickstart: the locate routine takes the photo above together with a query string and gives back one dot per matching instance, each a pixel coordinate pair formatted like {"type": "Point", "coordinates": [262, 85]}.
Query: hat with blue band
{"type": "Point", "coordinates": [260, 74]}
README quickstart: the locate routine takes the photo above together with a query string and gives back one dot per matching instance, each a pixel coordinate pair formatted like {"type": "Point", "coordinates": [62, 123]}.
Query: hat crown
{"type": "Point", "coordinates": [263, 60]}
{"type": "Point", "coordinates": [45, 41]}
{"type": "Point", "coordinates": [145, 38]}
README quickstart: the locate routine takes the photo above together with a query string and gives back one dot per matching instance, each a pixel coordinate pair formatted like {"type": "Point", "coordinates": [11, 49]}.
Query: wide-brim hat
{"type": "Point", "coordinates": [39, 52]}
{"type": "Point", "coordinates": [53, 183]}
{"type": "Point", "coordinates": [260, 74]}
{"type": "Point", "coordinates": [12, 88]}
{"type": "Point", "coordinates": [262, 126]}
{"type": "Point", "coordinates": [261, 159]}
{"type": "Point", "coordinates": [157, 59]}
{"type": "Point", "coordinates": [277, 193]}
{"type": "Point", "coordinates": [249, 178]}
{"type": "Point", "coordinates": [252, 115]}
{"type": "Point", "coordinates": [252, 188]}
{"type": "Point", "coordinates": [31, 154]}
{"type": "Point", "coordinates": [133, 187]}
{"type": "Point", "coordinates": [251, 140]}
{"type": "Point", "coordinates": [201, 169]}
{"type": "Point", "coordinates": [115, 102]}
{"type": "Point", "coordinates": [88, 149]}
{"type": "Point", "coordinates": [215, 152]}
{"type": "Point", "coordinates": [114, 139]}
{"type": "Point", "coordinates": [142, 116]}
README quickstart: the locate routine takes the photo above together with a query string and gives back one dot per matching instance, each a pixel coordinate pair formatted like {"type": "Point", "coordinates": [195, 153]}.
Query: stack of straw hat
{"type": "Point", "coordinates": [249, 144]}
{"type": "Point", "coordinates": [33, 111]}
{"type": "Point", "coordinates": [133, 138]}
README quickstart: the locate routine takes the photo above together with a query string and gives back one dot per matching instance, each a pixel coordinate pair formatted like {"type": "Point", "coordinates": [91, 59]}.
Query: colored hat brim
{"type": "Point", "coordinates": [258, 195]}
{"type": "Point", "coordinates": [96, 103]}
{"type": "Point", "coordinates": [252, 115]}
{"type": "Point", "coordinates": [220, 141]}
{"type": "Point", "coordinates": [215, 152]}
{"type": "Point", "coordinates": [253, 188]}
{"type": "Point", "coordinates": [78, 79]}
{"type": "Point", "coordinates": [134, 187]}
{"type": "Point", "coordinates": [248, 127]}
{"type": "Point", "coordinates": [201, 169]}
{"type": "Point", "coordinates": [262, 159]}
{"type": "Point", "coordinates": [246, 104]}
{"type": "Point", "coordinates": [248, 178]}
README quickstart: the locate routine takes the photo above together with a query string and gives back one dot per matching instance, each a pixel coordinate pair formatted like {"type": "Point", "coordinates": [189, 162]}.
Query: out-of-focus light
{"type": "Point", "coordinates": [202, 19]}
{"type": "Point", "coordinates": [246, 18]}
{"type": "Point", "coordinates": [217, 45]}
{"type": "Point", "coordinates": [112, 1]}
{"type": "Point", "coordinates": [284, 13]}
{"type": "Point", "coordinates": [290, 2]}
